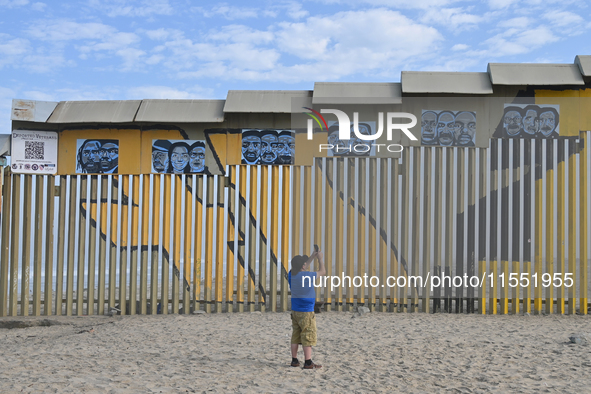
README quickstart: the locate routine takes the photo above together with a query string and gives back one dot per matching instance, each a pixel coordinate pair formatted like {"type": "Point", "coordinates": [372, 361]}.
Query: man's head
{"type": "Point", "coordinates": [429, 128]}
{"type": "Point", "coordinates": [364, 129]}
{"type": "Point", "coordinates": [530, 120]}
{"type": "Point", "coordinates": [179, 157]}
{"type": "Point", "coordinates": [109, 153]}
{"type": "Point", "coordinates": [160, 155]}
{"type": "Point", "coordinates": [512, 121]}
{"type": "Point", "coordinates": [339, 147]}
{"type": "Point", "coordinates": [270, 147]}
{"type": "Point", "coordinates": [548, 121]}
{"type": "Point", "coordinates": [197, 156]}
{"type": "Point", "coordinates": [287, 153]}
{"type": "Point", "coordinates": [446, 128]}
{"type": "Point", "coordinates": [89, 156]}
{"type": "Point", "coordinates": [465, 128]}
{"type": "Point", "coordinates": [298, 264]}
{"type": "Point", "coordinates": [251, 146]}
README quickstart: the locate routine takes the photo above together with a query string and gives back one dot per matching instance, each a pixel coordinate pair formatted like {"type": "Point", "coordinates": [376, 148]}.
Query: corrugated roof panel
{"type": "Point", "coordinates": [446, 82]}
{"type": "Point", "coordinates": [534, 74]}
{"type": "Point", "coordinates": [277, 101]}
{"type": "Point", "coordinates": [357, 93]}
{"type": "Point", "coordinates": [584, 64]}
{"type": "Point", "coordinates": [120, 111]}
{"type": "Point", "coordinates": [183, 111]}
{"type": "Point", "coordinates": [32, 110]}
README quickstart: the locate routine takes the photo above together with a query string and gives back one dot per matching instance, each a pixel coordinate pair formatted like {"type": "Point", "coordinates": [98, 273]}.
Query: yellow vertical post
{"type": "Point", "coordinates": [155, 241]}
{"type": "Point", "coordinates": [252, 239]}
{"type": "Point", "coordinates": [351, 212]}
{"type": "Point", "coordinates": [370, 212]}
{"type": "Point", "coordinates": [583, 198]}
{"type": "Point", "coordinates": [16, 230]}
{"type": "Point", "coordinates": [230, 235]}
{"type": "Point", "coordinates": [102, 229]}
{"type": "Point", "coordinates": [572, 225]}
{"type": "Point", "coordinates": [47, 296]}
{"type": "Point", "coordinates": [4, 256]}
{"type": "Point", "coordinates": [197, 266]}
{"type": "Point", "coordinates": [484, 176]}
{"type": "Point", "coordinates": [495, 173]}
{"type": "Point", "coordinates": [285, 237]}
{"type": "Point", "coordinates": [263, 288]}
{"type": "Point", "coordinates": [59, 269]}
{"type": "Point", "coordinates": [339, 267]}
{"type": "Point", "coordinates": [504, 167]}
{"type": "Point", "coordinates": [242, 226]}
{"type": "Point", "coordinates": [319, 213]}
{"type": "Point", "coordinates": [113, 250]}
{"type": "Point", "coordinates": [539, 212]}
{"type": "Point", "coordinates": [26, 262]}
{"type": "Point", "coordinates": [91, 211]}
{"type": "Point", "coordinates": [449, 237]}
{"type": "Point", "coordinates": [134, 198]}
{"type": "Point", "coordinates": [385, 247]}
{"type": "Point", "coordinates": [426, 235]}
{"type": "Point", "coordinates": [329, 258]}
{"type": "Point", "coordinates": [219, 262]}
{"type": "Point", "coordinates": [209, 229]}
{"type": "Point", "coordinates": [560, 205]}
{"type": "Point", "coordinates": [38, 244]}
{"type": "Point", "coordinates": [274, 237]}
{"type": "Point", "coordinates": [176, 245]}
{"type": "Point", "coordinates": [186, 247]}
{"type": "Point", "coordinates": [71, 258]}
{"type": "Point", "coordinates": [123, 184]}
{"type": "Point", "coordinates": [549, 223]}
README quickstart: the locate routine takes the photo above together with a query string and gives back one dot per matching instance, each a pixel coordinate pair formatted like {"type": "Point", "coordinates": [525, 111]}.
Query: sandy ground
{"type": "Point", "coordinates": [249, 352]}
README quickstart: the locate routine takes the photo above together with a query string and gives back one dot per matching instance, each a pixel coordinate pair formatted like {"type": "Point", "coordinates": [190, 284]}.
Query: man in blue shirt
{"type": "Point", "coordinates": [303, 298]}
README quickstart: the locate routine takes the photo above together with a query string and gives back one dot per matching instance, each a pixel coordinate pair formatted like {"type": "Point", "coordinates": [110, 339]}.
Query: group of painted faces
{"type": "Point", "coordinates": [268, 147]}
{"type": "Point", "coordinates": [531, 121]}
{"type": "Point", "coordinates": [178, 157]}
{"type": "Point", "coordinates": [348, 147]}
{"type": "Point", "coordinates": [448, 129]}
{"type": "Point", "coordinates": [99, 157]}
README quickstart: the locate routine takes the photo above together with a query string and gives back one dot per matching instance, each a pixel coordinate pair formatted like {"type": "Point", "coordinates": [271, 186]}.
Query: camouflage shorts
{"type": "Point", "coordinates": [304, 328]}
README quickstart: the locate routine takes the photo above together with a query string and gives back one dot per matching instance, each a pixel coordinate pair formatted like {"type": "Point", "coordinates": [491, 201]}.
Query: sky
{"type": "Point", "coordinates": [180, 49]}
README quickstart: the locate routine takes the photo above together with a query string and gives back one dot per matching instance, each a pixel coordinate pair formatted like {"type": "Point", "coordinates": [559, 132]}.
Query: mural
{"type": "Point", "coordinates": [354, 147]}
{"type": "Point", "coordinates": [178, 157]}
{"type": "Point", "coordinates": [448, 128]}
{"type": "Point", "coordinates": [268, 147]}
{"type": "Point", "coordinates": [97, 156]}
{"type": "Point", "coordinates": [530, 121]}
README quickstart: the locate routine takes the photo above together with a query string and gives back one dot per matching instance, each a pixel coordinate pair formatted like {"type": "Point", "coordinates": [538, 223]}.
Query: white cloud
{"type": "Point", "coordinates": [133, 8]}
{"type": "Point", "coordinates": [166, 92]}
{"type": "Point", "coordinates": [397, 4]}
{"type": "Point", "coordinates": [515, 43]}
{"type": "Point", "coordinates": [13, 3]}
{"type": "Point", "coordinates": [459, 47]}
{"type": "Point", "coordinates": [229, 12]}
{"type": "Point", "coordinates": [497, 4]}
{"type": "Point", "coordinates": [39, 7]}
{"type": "Point", "coordinates": [453, 18]}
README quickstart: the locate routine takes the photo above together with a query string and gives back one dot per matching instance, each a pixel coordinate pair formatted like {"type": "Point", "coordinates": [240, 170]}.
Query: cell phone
{"type": "Point", "coordinates": [316, 248]}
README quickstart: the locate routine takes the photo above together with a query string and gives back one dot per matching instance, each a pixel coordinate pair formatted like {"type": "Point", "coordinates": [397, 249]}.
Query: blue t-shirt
{"type": "Point", "coordinates": [302, 297]}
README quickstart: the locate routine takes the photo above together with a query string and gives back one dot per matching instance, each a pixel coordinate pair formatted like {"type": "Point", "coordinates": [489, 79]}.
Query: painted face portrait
{"type": "Point", "coordinates": [109, 154]}
{"type": "Point", "coordinates": [251, 149]}
{"type": "Point", "coordinates": [339, 147]}
{"type": "Point", "coordinates": [197, 159]}
{"type": "Point", "coordinates": [90, 157]}
{"type": "Point", "coordinates": [270, 148]}
{"type": "Point", "coordinates": [465, 128]}
{"type": "Point", "coordinates": [287, 154]}
{"type": "Point", "coordinates": [512, 123]}
{"type": "Point", "coordinates": [547, 123]}
{"type": "Point", "coordinates": [159, 160]}
{"type": "Point", "coordinates": [530, 122]}
{"type": "Point", "coordinates": [446, 128]}
{"type": "Point", "coordinates": [429, 128]}
{"type": "Point", "coordinates": [179, 158]}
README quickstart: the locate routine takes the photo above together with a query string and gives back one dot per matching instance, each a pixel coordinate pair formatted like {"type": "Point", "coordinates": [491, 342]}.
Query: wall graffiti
{"type": "Point", "coordinates": [178, 157]}
{"type": "Point", "coordinates": [268, 146]}
{"type": "Point", "coordinates": [97, 156]}
{"type": "Point", "coordinates": [530, 121]}
{"type": "Point", "coordinates": [448, 128]}
{"type": "Point", "coordinates": [355, 146]}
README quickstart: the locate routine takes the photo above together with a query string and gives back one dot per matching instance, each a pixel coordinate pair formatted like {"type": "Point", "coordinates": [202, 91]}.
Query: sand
{"type": "Point", "coordinates": [249, 352]}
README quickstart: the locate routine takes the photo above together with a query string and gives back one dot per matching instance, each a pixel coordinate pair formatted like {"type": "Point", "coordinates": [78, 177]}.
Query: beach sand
{"type": "Point", "coordinates": [249, 352]}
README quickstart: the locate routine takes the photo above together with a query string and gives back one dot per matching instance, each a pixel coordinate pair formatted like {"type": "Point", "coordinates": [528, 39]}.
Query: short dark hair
{"type": "Point", "coordinates": [297, 263]}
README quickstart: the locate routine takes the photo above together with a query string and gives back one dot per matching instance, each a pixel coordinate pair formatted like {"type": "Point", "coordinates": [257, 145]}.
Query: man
{"type": "Point", "coordinates": [160, 155]}
{"type": "Point", "coordinates": [512, 121]}
{"type": "Point", "coordinates": [179, 158]}
{"type": "Point", "coordinates": [287, 153]}
{"type": "Point", "coordinates": [303, 297]}
{"type": "Point", "coordinates": [548, 122]}
{"type": "Point", "coordinates": [530, 121]}
{"type": "Point", "coordinates": [109, 153]}
{"type": "Point", "coordinates": [429, 128]}
{"type": "Point", "coordinates": [89, 157]}
{"type": "Point", "coordinates": [251, 147]}
{"type": "Point", "coordinates": [197, 157]}
{"type": "Point", "coordinates": [270, 147]}
{"type": "Point", "coordinates": [465, 128]}
{"type": "Point", "coordinates": [445, 128]}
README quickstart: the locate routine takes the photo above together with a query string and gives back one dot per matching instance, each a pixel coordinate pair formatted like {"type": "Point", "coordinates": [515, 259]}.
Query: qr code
{"type": "Point", "coordinates": [34, 150]}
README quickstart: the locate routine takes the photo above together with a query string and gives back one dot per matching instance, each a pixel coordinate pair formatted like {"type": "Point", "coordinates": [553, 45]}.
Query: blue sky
{"type": "Point", "coordinates": [126, 49]}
